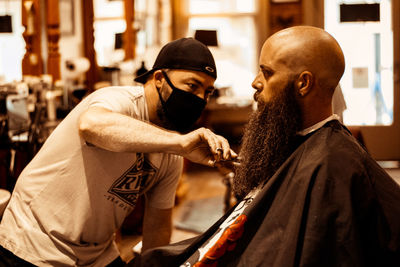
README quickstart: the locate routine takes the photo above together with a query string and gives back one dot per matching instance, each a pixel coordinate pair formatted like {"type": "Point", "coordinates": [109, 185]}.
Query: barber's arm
{"type": "Point", "coordinates": [117, 132]}
{"type": "Point", "coordinates": [157, 227]}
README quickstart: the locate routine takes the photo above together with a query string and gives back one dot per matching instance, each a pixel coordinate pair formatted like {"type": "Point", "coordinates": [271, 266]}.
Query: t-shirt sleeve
{"type": "Point", "coordinates": [113, 98]}
{"type": "Point", "coordinates": [162, 194]}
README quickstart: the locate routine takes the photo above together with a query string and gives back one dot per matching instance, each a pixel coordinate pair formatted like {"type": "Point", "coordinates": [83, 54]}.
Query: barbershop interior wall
{"type": "Point", "coordinates": [12, 45]}
{"type": "Point", "coordinates": [383, 142]}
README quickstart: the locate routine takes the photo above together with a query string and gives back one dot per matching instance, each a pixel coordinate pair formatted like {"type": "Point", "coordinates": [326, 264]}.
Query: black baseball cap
{"type": "Point", "coordinates": [186, 54]}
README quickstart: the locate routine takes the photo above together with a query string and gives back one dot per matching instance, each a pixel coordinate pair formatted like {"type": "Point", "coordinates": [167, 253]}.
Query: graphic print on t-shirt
{"type": "Point", "coordinates": [135, 179]}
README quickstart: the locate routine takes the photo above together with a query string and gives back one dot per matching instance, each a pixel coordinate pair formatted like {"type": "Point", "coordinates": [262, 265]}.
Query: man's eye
{"type": "Point", "coordinates": [192, 87]}
{"type": "Point", "coordinates": [266, 73]}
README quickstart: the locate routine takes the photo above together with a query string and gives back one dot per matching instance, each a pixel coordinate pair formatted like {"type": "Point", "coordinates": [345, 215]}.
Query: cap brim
{"type": "Point", "coordinates": [143, 78]}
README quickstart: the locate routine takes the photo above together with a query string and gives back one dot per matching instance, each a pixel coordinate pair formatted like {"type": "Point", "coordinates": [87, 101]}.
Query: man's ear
{"type": "Point", "coordinates": [304, 83]}
{"type": "Point", "coordinates": [158, 78]}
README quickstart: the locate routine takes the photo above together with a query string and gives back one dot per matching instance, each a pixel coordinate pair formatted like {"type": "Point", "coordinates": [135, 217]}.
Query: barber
{"type": "Point", "coordinates": [117, 144]}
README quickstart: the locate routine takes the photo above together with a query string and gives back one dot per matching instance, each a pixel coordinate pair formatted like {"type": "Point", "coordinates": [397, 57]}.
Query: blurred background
{"type": "Point", "coordinates": [55, 52]}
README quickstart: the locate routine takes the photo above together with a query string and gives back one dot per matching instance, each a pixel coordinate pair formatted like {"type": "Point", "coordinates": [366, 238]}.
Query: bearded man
{"type": "Point", "coordinates": [310, 195]}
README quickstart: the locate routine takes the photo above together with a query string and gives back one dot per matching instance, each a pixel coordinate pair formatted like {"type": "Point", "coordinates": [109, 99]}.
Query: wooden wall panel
{"type": "Point", "coordinates": [180, 19]}
{"type": "Point", "coordinates": [92, 75]}
{"type": "Point", "coordinates": [53, 36]}
{"type": "Point", "coordinates": [32, 63]}
{"type": "Point", "coordinates": [129, 34]}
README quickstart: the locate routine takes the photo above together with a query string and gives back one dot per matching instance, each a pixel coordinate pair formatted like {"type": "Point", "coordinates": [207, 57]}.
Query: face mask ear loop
{"type": "Point", "coordinates": [168, 80]}
{"type": "Point", "coordinates": [158, 90]}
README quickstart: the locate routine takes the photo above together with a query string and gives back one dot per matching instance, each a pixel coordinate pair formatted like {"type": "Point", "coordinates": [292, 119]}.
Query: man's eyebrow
{"type": "Point", "coordinates": [265, 68]}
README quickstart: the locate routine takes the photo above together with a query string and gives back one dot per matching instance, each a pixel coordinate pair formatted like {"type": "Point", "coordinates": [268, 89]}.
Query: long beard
{"type": "Point", "coordinates": [267, 141]}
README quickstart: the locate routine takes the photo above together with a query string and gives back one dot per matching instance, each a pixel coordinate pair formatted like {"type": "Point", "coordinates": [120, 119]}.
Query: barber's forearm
{"type": "Point", "coordinates": [120, 133]}
{"type": "Point", "coordinates": [156, 238]}
{"type": "Point", "coordinates": [157, 228]}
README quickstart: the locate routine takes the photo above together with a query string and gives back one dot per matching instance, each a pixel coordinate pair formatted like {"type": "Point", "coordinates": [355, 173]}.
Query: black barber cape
{"type": "Point", "coordinates": [329, 204]}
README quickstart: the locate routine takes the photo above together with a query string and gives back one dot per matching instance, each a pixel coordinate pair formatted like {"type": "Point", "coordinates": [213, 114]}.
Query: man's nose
{"type": "Point", "coordinates": [256, 84]}
{"type": "Point", "coordinates": [201, 94]}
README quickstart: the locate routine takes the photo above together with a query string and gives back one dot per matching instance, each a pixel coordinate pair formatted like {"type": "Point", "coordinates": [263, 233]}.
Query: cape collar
{"type": "Point", "coordinates": [318, 125]}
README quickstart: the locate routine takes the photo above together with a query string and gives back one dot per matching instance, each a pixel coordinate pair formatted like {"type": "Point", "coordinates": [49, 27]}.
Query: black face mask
{"type": "Point", "coordinates": [182, 108]}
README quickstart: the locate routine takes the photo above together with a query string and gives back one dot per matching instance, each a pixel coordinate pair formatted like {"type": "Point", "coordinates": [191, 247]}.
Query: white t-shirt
{"type": "Point", "coordinates": [71, 198]}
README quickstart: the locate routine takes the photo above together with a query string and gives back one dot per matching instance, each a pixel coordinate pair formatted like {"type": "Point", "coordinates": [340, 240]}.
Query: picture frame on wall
{"type": "Point", "coordinates": [284, 14]}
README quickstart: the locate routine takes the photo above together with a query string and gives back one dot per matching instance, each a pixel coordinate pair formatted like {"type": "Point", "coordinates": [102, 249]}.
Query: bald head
{"type": "Point", "coordinates": [306, 48]}
{"type": "Point", "coordinates": [306, 58]}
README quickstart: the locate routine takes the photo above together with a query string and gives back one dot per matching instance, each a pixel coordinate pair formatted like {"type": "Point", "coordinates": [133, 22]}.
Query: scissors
{"type": "Point", "coordinates": [234, 161]}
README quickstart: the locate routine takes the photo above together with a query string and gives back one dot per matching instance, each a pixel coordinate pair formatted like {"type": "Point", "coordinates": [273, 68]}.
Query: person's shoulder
{"type": "Point", "coordinates": [343, 156]}
{"type": "Point", "coordinates": [340, 159]}
{"type": "Point", "coordinates": [114, 92]}
{"type": "Point", "coordinates": [337, 139]}
{"type": "Point", "coordinates": [131, 89]}
{"type": "Point", "coordinates": [334, 146]}
{"type": "Point", "coordinates": [332, 157]}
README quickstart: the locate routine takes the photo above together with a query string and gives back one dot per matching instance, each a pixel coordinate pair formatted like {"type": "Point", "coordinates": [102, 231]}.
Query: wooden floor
{"type": "Point", "coordinates": [203, 182]}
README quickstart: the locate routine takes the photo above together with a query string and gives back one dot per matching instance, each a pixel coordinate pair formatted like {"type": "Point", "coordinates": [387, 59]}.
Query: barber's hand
{"type": "Point", "coordinates": [226, 167]}
{"type": "Point", "coordinates": [204, 147]}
